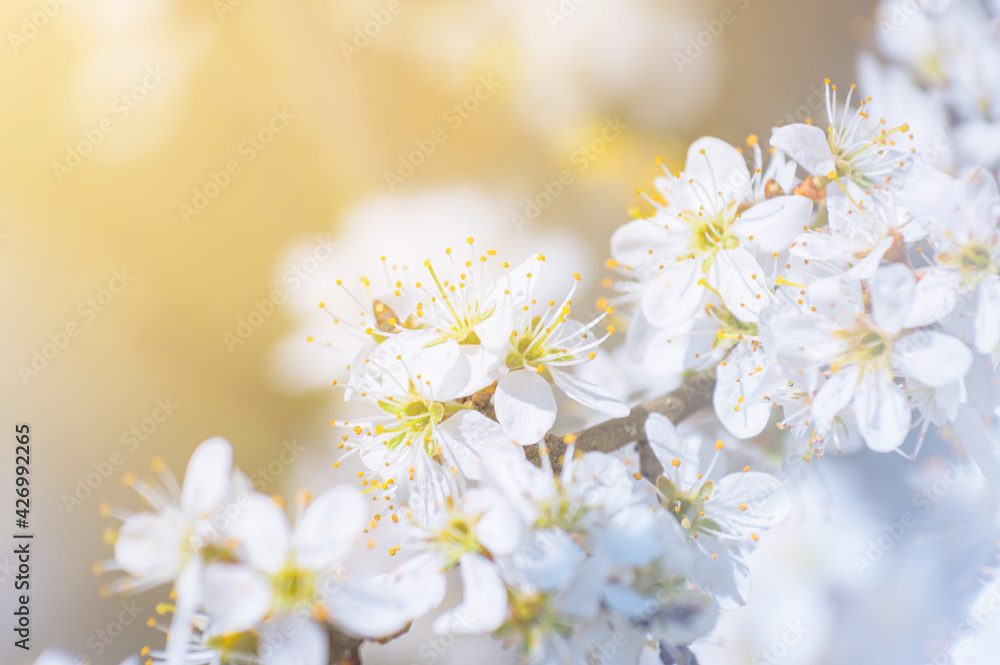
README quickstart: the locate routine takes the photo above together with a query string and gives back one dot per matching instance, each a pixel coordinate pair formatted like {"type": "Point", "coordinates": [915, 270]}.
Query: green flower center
{"type": "Point", "coordinates": [867, 348]}
{"type": "Point", "coordinates": [293, 587]}
{"type": "Point", "coordinates": [416, 418]}
{"type": "Point", "coordinates": [975, 262]}
{"type": "Point", "coordinates": [457, 537]}
{"type": "Point", "coordinates": [688, 508]}
{"type": "Point", "coordinates": [532, 346]}
{"type": "Point", "coordinates": [561, 512]}
{"type": "Point", "coordinates": [710, 232]}
{"type": "Point", "coordinates": [531, 617]}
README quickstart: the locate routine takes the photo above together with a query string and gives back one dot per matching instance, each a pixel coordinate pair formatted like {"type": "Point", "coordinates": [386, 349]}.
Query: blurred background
{"type": "Point", "coordinates": [181, 180]}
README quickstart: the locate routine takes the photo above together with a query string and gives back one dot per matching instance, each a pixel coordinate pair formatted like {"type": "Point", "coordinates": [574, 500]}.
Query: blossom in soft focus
{"type": "Point", "coordinates": [585, 60]}
{"type": "Point", "coordinates": [166, 546]}
{"type": "Point", "coordinates": [788, 318]}
{"type": "Point", "coordinates": [723, 515]}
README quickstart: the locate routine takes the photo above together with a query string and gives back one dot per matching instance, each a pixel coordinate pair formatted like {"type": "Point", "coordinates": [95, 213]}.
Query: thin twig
{"type": "Point", "coordinates": [606, 437]}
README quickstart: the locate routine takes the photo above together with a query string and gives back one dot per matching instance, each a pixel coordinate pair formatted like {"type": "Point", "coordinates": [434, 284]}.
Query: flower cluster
{"type": "Point", "coordinates": [248, 586]}
{"type": "Point", "coordinates": [842, 275]}
{"type": "Point", "coordinates": [568, 565]}
{"type": "Point", "coordinates": [839, 283]}
{"type": "Point", "coordinates": [563, 564]}
{"type": "Point", "coordinates": [457, 365]}
{"type": "Point", "coordinates": [940, 70]}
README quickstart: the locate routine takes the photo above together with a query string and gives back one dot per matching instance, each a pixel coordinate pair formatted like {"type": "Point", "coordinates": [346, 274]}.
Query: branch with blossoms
{"type": "Point", "coordinates": [611, 435]}
{"type": "Point", "coordinates": [834, 285]}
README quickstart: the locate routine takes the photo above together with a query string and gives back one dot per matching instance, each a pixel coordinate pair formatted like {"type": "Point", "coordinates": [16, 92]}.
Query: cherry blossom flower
{"type": "Point", "coordinates": [722, 516]}
{"type": "Point", "coordinates": [857, 154]}
{"type": "Point", "coordinates": [844, 354]}
{"type": "Point", "coordinates": [167, 544]}
{"type": "Point", "coordinates": [704, 240]}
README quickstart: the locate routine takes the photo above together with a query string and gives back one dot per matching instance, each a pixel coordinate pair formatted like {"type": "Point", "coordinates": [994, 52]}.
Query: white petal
{"type": "Point", "coordinates": [206, 480]}
{"type": "Point", "coordinates": [330, 526]}
{"type": "Point", "coordinates": [525, 406]}
{"type": "Point", "coordinates": [835, 394]}
{"type": "Point", "coordinates": [807, 145]}
{"type": "Point", "coordinates": [237, 598]}
{"type": "Point", "coordinates": [474, 369]}
{"type": "Point", "coordinates": [589, 394]}
{"type": "Point", "coordinates": [623, 600]}
{"type": "Point", "coordinates": [668, 445]}
{"type": "Point", "coordinates": [719, 166]}
{"type": "Point", "coordinates": [56, 657]}
{"type": "Point", "coordinates": [836, 298]}
{"type": "Point", "coordinates": [500, 529]}
{"type": "Point", "coordinates": [868, 266]}
{"type": "Point", "coordinates": [471, 439]}
{"type": "Point", "coordinates": [893, 289]}
{"type": "Point", "coordinates": [494, 332]}
{"type": "Point", "coordinates": [635, 536]}
{"type": "Point", "coordinates": [748, 502]}
{"type": "Point", "coordinates": [548, 559]}
{"type": "Point", "coordinates": [263, 533]}
{"type": "Point", "coordinates": [726, 577]}
{"type": "Point", "coordinates": [672, 298]}
{"type": "Point", "coordinates": [581, 597]}
{"type": "Point", "coordinates": [427, 357]}
{"type": "Point", "coordinates": [484, 603]}
{"type": "Point", "coordinates": [599, 481]}
{"type": "Point", "coordinates": [979, 142]}
{"type": "Point", "coordinates": [151, 545]}
{"type": "Point", "coordinates": [775, 223]}
{"type": "Point", "coordinates": [293, 639]}
{"type": "Point", "coordinates": [988, 316]}
{"type": "Point", "coordinates": [882, 412]}
{"type": "Point", "coordinates": [976, 440]}
{"type": "Point", "coordinates": [932, 358]}
{"type": "Point", "coordinates": [735, 381]}
{"type": "Point", "coordinates": [935, 297]}
{"type": "Point", "coordinates": [189, 595]}
{"type": "Point", "coordinates": [377, 607]}
{"type": "Point", "coordinates": [740, 280]}
{"type": "Point", "coordinates": [631, 242]}
{"type": "Point", "coordinates": [522, 483]}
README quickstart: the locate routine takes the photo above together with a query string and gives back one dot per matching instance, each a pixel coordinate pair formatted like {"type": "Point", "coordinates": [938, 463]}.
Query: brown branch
{"type": "Point", "coordinates": [692, 396]}
{"type": "Point", "coordinates": [344, 649]}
